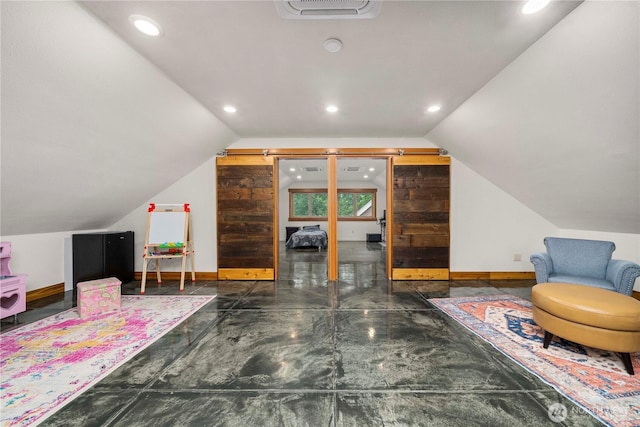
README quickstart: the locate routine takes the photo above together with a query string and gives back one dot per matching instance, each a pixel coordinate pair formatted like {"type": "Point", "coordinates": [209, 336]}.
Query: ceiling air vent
{"type": "Point", "coordinates": [312, 169]}
{"type": "Point", "coordinates": [353, 169]}
{"type": "Point", "coordinates": [328, 9]}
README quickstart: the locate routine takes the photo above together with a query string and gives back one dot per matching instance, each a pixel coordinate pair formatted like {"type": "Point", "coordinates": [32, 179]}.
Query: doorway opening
{"type": "Point", "coordinates": [362, 203]}
{"type": "Point", "coordinates": [416, 212]}
{"type": "Point", "coordinates": [303, 231]}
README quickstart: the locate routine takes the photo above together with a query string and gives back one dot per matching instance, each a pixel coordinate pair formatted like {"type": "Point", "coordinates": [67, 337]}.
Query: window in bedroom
{"type": "Point", "coordinates": [307, 204]}
{"type": "Point", "coordinates": [354, 204]}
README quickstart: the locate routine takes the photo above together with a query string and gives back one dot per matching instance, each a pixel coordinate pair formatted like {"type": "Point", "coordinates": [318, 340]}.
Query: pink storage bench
{"type": "Point", "coordinates": [98, 296]}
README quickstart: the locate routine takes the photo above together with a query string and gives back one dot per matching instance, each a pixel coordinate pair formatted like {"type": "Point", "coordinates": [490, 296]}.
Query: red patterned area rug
{"type": "Point", "coordinates": [48, 363]}
{"type": "Point", "coordinates": [594, 379]}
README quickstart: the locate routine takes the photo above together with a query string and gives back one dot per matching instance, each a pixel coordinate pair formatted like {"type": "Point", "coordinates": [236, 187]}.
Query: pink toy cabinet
{"type": "Point", "coordinates": [13, 293]}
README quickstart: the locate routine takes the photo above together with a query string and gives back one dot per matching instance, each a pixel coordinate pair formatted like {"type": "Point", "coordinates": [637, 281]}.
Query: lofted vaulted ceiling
{"type": "Point", "coordinates": [276, 72]}
{"type": "Point", "coordinates": [97, 117]}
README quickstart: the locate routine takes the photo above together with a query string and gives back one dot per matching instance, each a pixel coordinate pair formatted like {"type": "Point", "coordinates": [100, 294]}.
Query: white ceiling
{"type": "Point", "coordinates": [349, 171]}
{"type": "Point", "coordinates": [278, 75]}
{"type": "Point", "coordinates": [97, 118]}
{"type": "Point", "coordinates": [559, 128]}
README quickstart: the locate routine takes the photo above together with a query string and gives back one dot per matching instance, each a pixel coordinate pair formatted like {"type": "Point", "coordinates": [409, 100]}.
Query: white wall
{"type": "Point", "coordinates": [488, 226]}
{"type": "Point", "coordinates": [199, 190]}
{"type": "Point", "coordinates": [84, 110]}
{"type": "Point", "coordinates": [571, 101]}
{"type": "Point", "coordinates": [40, 256]}
{"type": "Point", "coordinates": [332, 143]}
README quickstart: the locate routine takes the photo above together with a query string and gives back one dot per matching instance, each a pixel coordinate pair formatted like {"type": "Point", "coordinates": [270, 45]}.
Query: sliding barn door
{"type": "Point", "coordinates": [247, 217]}
{"type": "Point", "coordinates": [420, 218]}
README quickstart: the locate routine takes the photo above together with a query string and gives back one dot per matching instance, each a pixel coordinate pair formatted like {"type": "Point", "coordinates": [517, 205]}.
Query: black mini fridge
{"type": "Point", "coordinates": [100, 255]}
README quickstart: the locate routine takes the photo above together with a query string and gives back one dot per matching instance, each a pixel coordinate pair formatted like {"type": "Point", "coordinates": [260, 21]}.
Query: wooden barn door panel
{"type": "Point", "coordinates": [420, 226]}
{"type": "Point", "coordinates": [246, 212]}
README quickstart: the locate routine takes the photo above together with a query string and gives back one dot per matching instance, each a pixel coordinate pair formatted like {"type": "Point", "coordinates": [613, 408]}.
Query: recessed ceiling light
{"type": "Point", "coordinates": [146, 25]}
{"type": "Point", "coordinates": [366, 176]}
{"type": "Point", "coordinates": [230, 109]}
{"type": "Point", "coordinates": [299, 177]}
{"type": "Point", "coordinates": [372, 169]}
{"type": "Point", "coordinates": [533, 6]}
{"type": "Point", "coordinates": [292, 169]}
{"type": "Point", "coordinates": [332, 109]}
{"type": "Point", "coordinates": [434, 108]}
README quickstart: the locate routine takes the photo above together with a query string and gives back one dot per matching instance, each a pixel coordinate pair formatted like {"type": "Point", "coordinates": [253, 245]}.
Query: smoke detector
{"type": "Point", "coordinates": [328, 9]}
{"type": "Point", "coordinates": [332, 45]}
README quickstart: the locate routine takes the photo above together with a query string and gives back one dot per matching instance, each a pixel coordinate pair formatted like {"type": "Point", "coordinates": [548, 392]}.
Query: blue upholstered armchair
{"type": "Point", "coordinates": [584, 262]}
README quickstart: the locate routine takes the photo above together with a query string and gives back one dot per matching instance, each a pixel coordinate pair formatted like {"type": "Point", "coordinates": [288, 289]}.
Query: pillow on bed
{"type": "Point", "coordinates": [311, 227]}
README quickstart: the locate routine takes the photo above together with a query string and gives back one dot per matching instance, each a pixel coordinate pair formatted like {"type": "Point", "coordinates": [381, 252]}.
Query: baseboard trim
{"type": "Point", "coordinates": [420, 274]}
{"type": "Point", "coordinates": [213, 275]}
{"type": "Point", "coordinates": [462, 275]}
{"type": "Point", "coordinates": [175, 275]}
{"type": "Point", "coordinates": [45, 292]}
{"type": "Point", "coordinates": [492, 275]}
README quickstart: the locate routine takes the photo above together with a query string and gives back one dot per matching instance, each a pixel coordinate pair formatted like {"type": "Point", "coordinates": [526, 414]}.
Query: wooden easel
{"type": "Point", "coordinates": [168, 236]}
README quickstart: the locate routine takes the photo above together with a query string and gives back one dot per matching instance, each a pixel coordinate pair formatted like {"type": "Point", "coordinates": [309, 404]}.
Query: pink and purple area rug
{"type": "Point", "coordinates": [593, 379]}
{"type": "Point", "coordinates": [46, 364]}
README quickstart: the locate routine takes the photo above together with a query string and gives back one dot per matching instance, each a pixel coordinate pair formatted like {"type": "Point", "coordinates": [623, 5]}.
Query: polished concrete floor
{"type": "Point", "coordinates": [302, 351]}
